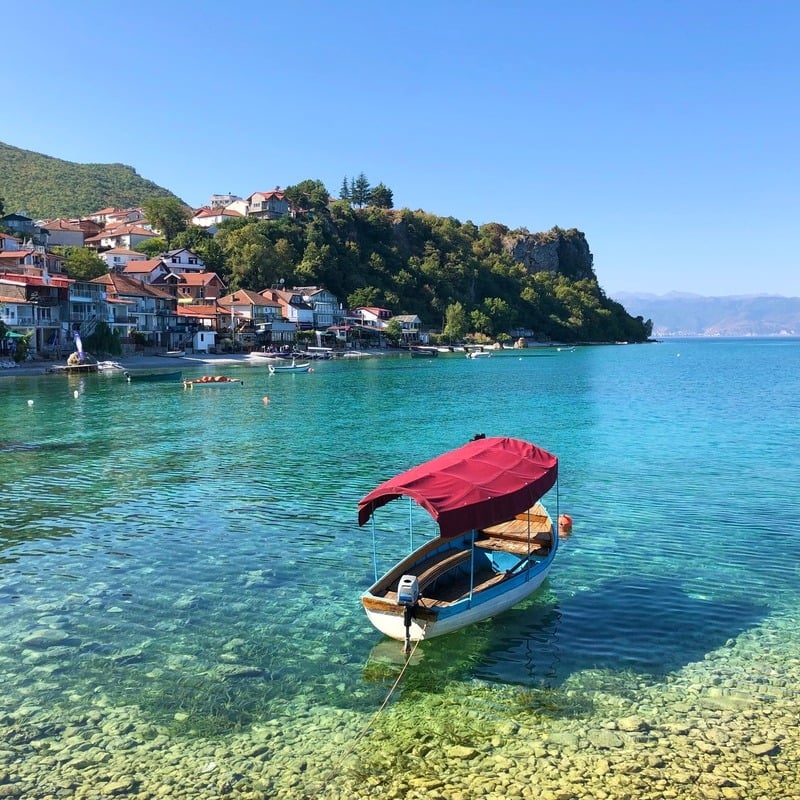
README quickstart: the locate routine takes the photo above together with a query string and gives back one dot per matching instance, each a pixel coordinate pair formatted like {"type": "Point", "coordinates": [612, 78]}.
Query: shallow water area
{"type": "Point", "coordinates": [181, 573]}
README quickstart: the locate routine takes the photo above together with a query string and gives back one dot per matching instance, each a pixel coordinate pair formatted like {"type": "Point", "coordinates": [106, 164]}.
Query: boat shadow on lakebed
{"type": "Point", "coordinates": [645, 625]}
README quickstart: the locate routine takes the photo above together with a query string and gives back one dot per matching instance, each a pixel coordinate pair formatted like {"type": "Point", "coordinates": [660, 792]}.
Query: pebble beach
{"type": "Point", "coordinates": [722, 729]}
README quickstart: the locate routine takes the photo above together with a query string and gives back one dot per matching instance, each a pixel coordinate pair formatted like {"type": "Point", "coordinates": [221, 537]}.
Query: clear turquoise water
{"type": "Point", "coordinates": [195, 554]}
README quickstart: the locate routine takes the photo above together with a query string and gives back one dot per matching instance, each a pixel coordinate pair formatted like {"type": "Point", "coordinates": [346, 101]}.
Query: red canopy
{"type": "Point", "coordinates": [480, 484]}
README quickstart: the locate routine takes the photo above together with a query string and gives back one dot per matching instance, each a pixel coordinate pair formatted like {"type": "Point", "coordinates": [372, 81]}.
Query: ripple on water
{"type": "Point", "coordinates": [198, 585]}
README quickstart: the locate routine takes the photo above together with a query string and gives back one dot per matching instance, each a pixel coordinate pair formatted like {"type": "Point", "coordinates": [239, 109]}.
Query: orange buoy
{"type": "Point", "coordinates": [564, 525]}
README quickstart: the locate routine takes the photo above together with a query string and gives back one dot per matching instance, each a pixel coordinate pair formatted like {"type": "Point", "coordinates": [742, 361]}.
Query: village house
{"type": "Point", "coordinates": [409, 327]}
{"type": "Point", "coordinates": [117, 258]}
{"type": "Point", "coordinates": [183, 260]}
{"type": "Point", "coordinates": [22, 226]}
{"type": "Point", "coordinates": [137, 307]}
{"type": "Point", "coordinates": [34, 300]}
{"type": "Point", "coordinates": [192, 287]}
{"type": "Point", "coordinates": [372, 317]}
{"type": "Point", "coordinates": [211, 218]}
{"type": "Point", "coordinates": [63, 233]}
{"type": "Point", "coordinates": [325, 305]}
{"type": "Point", "coordinates": [148, 270]}
{"type": "Point", "coordinates": [268, 205]}
{"type": "Point", "coordinates": [293, 307]}
{"type": "Point", "coordinates": [200, 324]}
{"type": "Point", "coordinates": [256, 320]}
{"type": "Point", "coordinates": [115, 216]}
{"type": "Point", "coordinates": [29, 256]}
{"type": "Point", "coordinates": [127, 236]}
{"type": "Point", "coordinates": [223, 200]}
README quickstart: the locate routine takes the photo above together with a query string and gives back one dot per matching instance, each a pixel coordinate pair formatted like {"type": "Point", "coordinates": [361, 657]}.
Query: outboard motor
{"type": "Point", "coordinates": [408, 590]}
{"type": "Point", "coordinates": [407, 596]}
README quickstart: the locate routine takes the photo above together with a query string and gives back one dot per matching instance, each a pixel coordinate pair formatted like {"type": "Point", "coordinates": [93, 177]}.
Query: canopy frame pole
{"type": "Point", "coordinates": [410, 525]}
{"type": "Point", "coordinates": [471, 566]}
{"type": "Point", "coordinates": [374, 550]}
{"type": "Point", "coordinates": [528, 557]}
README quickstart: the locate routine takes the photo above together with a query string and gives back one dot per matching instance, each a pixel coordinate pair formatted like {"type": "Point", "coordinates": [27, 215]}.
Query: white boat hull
{"type": "Point", "coordinates": [292, 368]}
{"type": "Point", "coordinates": [393, 625]}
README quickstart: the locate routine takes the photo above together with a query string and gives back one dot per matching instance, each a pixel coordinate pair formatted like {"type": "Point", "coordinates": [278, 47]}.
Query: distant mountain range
{"type": "Point", "coordinates": [679, 314]}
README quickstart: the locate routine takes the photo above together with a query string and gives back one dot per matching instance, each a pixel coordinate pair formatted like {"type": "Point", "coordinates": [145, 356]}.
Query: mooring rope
{"type": "Point", "coordinates": [375, 716]}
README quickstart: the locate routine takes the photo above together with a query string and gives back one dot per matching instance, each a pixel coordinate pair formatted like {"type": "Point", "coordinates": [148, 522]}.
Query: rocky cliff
{"type": "Point", "coordinates": [557, 250]}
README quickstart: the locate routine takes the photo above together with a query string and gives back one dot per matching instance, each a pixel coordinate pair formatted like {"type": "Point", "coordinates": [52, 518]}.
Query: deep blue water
{"type": "Point", "coordinates": [171, 535]}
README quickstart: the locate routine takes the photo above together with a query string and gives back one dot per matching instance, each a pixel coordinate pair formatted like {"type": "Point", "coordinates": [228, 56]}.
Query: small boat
{"type": "Point", "coordinates": [495, 546]}
{"type": "Point", "coordinates": [272, 356]}
{"type": "Point", "coordinates": [423, 352]}
{"type": "Point", "coordinates": [72, 369]}
{"type": "Point", "coordinates": [152, 377]}
{"type": "Point", "coordinates": [293, 367]}
{"type": "Point", "coordinates": [479, 354]}
{"type": "Point", "coordinates": [173, 354]}
{"type": "Point", "coordinates": [212, 381]}
{"type": "Point", "coordinates": [109, 366]}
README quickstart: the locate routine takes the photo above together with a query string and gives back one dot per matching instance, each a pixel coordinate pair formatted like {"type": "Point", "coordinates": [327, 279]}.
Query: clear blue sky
{"type": "Point", "coordinates": [667, 132]}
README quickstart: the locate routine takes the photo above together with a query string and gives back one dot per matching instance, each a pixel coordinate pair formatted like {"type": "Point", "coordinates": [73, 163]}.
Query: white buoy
{"type": "Point", "coordinates": [75, 394]}
{"type": "Point", "coordinates": [30, 402]}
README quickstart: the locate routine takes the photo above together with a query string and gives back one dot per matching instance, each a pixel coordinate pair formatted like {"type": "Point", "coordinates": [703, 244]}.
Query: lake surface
{"type": "Point", "coordinates": [180, 574]}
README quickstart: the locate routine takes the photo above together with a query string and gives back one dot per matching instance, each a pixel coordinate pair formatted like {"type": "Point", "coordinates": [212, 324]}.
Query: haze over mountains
{"type": "Point", "coordinates": [681, 314]}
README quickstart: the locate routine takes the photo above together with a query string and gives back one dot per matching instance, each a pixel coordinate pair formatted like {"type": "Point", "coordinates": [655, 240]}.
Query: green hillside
{"type": "Point", "coordinates": [46, 187]}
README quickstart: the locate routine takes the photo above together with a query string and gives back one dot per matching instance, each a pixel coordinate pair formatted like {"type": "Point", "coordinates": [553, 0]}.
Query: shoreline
{"type": "Point", "coordinates": [138, 362]}
{"type": "Point", "coordinates": [38, 368]}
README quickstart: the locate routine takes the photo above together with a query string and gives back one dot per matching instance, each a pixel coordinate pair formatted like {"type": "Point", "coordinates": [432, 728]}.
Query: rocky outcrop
{"type": "Point", "coordinates": [557, 250]}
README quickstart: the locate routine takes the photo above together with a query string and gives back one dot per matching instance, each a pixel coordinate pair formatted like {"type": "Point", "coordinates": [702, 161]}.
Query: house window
{"type": "Point", "coordinates": [192, 260]}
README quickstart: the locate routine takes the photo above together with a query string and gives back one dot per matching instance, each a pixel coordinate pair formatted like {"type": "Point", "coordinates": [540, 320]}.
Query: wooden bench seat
{"type": "Point", "coordinates": [516, 546]}
{"type": "Point", "coordinates": [441, 566]}
{"type": "Point", "coordinates": [533, 523]}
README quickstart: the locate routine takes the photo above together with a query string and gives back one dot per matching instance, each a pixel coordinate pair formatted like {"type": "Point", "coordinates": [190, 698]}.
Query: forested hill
{"type": "Point", "coordinates": [457, 277]}
{"type": "Point", "coordinates": [46, 187]}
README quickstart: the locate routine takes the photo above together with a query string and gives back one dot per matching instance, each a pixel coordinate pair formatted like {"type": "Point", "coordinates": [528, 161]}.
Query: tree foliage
{"type": "Point", "coordinates": [359, 191]}
{"type": "Point", "coordinates": [167, 215]}
{"type": "Point", "coordinates": [457, 275]}
{"type": "Point", "coordinates": [83, 264]}
{"type": "Point", "coordinates": [307, 195]}
{"type": "Point", "coordinates": [381, 196]}
{"type": "Point", "coordinates": [46, 187]}
{"type": "Point", "coordinates": [455, 326]}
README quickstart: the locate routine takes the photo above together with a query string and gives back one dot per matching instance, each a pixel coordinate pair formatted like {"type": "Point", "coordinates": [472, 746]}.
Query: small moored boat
{"type": "Point", "coordinates": [109, 366]}
{"type": "Point", "coordinates": [495, 546]}
{"type": "Point", "coordinates": [293, 367]}
{"type": "Point", "coordinates": [212, 381]}
{"type": "Point", "coordinates": [423, 352]}
{"type": "Point", "coordinates": [153, 377]}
